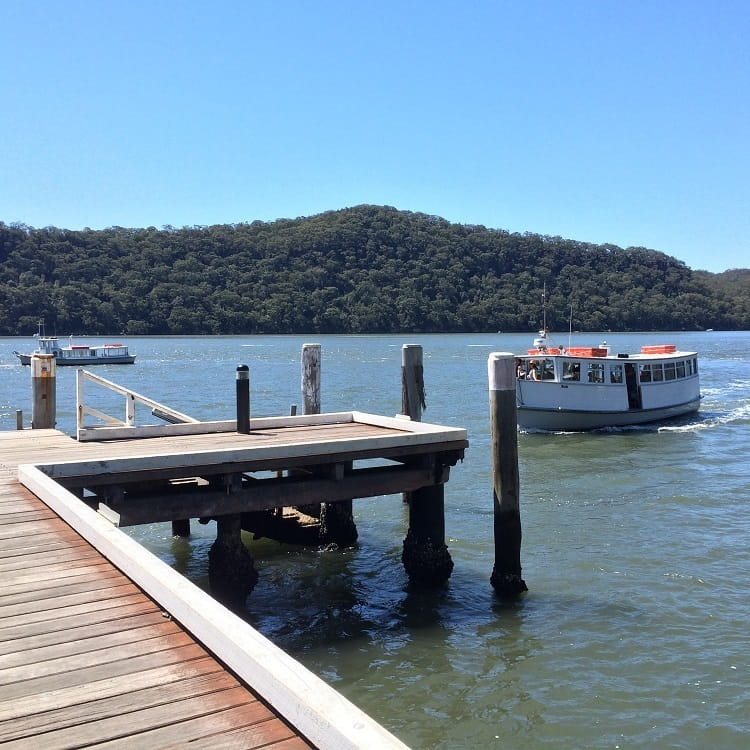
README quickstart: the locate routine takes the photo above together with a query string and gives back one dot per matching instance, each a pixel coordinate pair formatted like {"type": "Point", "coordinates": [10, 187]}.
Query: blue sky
{"type": "Point", "coordinates": [601, 121]}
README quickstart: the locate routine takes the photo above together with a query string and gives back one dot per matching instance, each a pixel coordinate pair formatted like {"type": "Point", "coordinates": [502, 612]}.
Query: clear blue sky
{"type": "Point", "coordinates": [601, 121]}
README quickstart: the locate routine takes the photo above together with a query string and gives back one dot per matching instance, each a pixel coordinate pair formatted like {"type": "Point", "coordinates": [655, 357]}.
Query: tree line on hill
{"type": "Point", "coordinates": [367, 269]}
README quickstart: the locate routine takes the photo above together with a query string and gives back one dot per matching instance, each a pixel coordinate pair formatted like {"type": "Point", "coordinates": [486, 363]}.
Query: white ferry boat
{"type": "Point", "coordinates": [585, 388]}
{"type": "Point", "coordinates": [79, 355]}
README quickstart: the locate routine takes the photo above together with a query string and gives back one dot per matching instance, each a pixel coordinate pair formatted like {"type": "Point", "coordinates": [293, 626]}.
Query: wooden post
{"type": "Point", "coordinates": [243, 399]}
{"type": "Point", "coordinates": [231, 572]}
{"type": "Point", "coordinates": [336, 519]}
{"type": "Point", "coordinates": [506, 574]}
{"type": "Point", "coordinates": [310, 378]}
{"type": "Point", "coordinates": [43, 389]}
{"type": "Point", "coordinates": [19, 419]}
{"type": "Point", "coordinates": [412, 387]}
{"type": "Point", "coordinates": [425, 555]}
{"type": "Point", "coordinates": [412, 381]}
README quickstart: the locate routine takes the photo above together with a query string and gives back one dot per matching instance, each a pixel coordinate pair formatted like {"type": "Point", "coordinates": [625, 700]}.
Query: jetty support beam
{"type": "Point", "coordinates": [199, 499]}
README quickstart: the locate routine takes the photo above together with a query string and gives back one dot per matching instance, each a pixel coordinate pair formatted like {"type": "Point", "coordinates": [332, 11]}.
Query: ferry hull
{"type": "Point", "coordinates": [569, 420]}
{"type": "Point", "coordinates": [128, 359]}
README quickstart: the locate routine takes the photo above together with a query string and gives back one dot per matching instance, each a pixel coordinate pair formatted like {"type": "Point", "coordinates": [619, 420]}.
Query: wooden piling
{"type": "Point", "coordinates": [310, 378]}
{"type": "Point", "coordinates": [506, 574]}
{"type": "Point", "coordinates": [336, 519]}
{"type": "Point", "coordinates": [412, 382]}
{"type": "Point", "coordinates": [43, 390]}
{"type": "Point", "coordinates": [425, 555]}
{"type": "Point", "coordinates": [231, 571]}
{"type": "Point", "coordinates": [412, 387]}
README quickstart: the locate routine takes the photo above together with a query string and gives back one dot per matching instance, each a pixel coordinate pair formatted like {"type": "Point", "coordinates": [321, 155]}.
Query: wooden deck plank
{"type": "Point", "coordinates": [37, 618]}
{"type": "Point", "coordinates": [72, 695]}
{"type": "Point", "coordinates": [80, 632]}
{"type": "Point", "coordinates": [36, 670]}
{"type": "Point", "coordinates": [187, 733]}
{"type": "Point", "coordinates": [20, 545]}
{"type": "Point", "coordinates": [35, 559]}
{"type": "Point", "coordinates": [62, 570]}
{"type": "Point", "coordinates": [24, 516]}
{"type": "Point", "coordinates": [62, 602]}
{"type": "Point", "coordinates": [93, 574]}
{"type": "Point", "coordinates": [116, 705]}
{"type": "Point", "coordinates": [242, 738]}
{"type": "Point", "coordinates": [24, 593]}
{"type": "Point", "coordinates": [293, 743]}
{"type": "Point", "coordinates": [29, 528]}
{"type": "Point", "coordinates": [21, 505]}
{"type": "Point", "coordinates": [34, 655]}
{"type": "Point", "coordinates": [148, 722]}
{"type": "Point", "coordinates": [90, 675]}
{"type": "Point", "coordinates": [66, 623]}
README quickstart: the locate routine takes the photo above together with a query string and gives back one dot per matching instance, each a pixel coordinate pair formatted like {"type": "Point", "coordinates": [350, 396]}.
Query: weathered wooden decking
{"type": "Point", "coordinates": [330, 457]}
{"type": "Point", "coordinates": [87, 658]}
{"type": "Point", "coordinates": [102, 644]}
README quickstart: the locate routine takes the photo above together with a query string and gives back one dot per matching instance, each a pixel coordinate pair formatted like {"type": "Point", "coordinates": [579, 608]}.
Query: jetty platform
{"type": "Point", "coordinates": [103, 643]}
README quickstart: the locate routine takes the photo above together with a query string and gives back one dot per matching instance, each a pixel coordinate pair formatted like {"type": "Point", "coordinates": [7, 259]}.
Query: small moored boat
{"type": "Point", "coordinates": [586, 388]}
{"type": "Point", "coordinates": [80, 355]}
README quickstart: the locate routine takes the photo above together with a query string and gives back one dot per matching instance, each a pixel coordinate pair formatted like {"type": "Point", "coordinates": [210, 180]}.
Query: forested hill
{"type": "Point", "coordinates": [366, 269]}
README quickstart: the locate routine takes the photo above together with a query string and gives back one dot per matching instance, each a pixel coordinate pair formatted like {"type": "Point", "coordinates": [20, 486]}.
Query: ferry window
{"type": "Point", "coordinates": [615, 374]}
{"type": "Point", "coordinates": [571, 370]}
{"type": "Point", "coordinates": [657, 372]}
{"type": "Point", "coordinates": [680, 369]}
{"type": "Point", "coordinates": [695, 366]}
{"type": "Point", "coordinates": [645, 373]}
{"type": "Point", "coordinates": [548, 370]}
{"type": "Point", "coordinates": [596, 372]}
{"type": "Point", "coordinates": [689, 366]}
{"type": "Point", "coordinates": [669, 371]}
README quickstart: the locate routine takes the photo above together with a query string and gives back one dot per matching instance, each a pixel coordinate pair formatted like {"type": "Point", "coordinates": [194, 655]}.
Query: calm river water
{"type": "Point", "coordinates": [636, 550]}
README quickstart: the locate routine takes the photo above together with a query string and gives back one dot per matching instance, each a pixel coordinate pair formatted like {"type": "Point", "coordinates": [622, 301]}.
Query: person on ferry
{"type": "Point", "coordinates": [533, 373]}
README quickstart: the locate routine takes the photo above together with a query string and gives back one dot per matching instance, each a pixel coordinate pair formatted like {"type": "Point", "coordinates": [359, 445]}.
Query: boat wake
{"type": "Point", "coordinates": [705, 420]}
{"type": "Point", "coordinates": [708, 420]}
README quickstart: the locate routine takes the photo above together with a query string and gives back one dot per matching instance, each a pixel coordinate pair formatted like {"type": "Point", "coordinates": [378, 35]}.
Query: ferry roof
{"type": "Point", "coordinates": [615, 357]}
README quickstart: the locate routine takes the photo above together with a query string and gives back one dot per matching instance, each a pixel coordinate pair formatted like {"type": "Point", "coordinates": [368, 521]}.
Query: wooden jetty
{"type": "Point", "coordinates": [86, 657]}
{"type": "Point", "coordinates": [101, 641]}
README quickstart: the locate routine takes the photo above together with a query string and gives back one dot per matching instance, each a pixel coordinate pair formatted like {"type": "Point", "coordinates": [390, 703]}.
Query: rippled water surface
{"type": "Point", "coordinates": [636, 551]}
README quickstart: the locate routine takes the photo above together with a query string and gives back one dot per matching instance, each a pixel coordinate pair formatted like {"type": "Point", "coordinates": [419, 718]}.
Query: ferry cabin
{"type": "Point", "coordinates": [587, 388]}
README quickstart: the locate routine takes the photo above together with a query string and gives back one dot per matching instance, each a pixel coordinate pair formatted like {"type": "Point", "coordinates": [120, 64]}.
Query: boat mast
{"type": "Point", "coordinates": [570, 325]}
